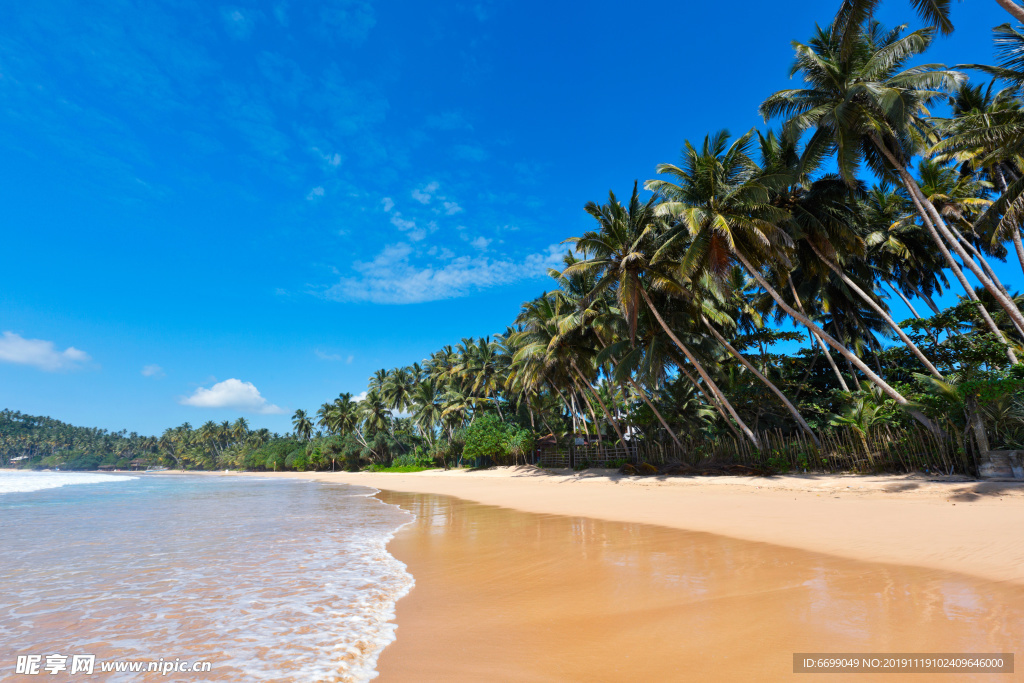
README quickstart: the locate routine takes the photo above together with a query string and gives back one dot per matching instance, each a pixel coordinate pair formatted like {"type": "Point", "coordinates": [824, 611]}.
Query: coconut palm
{"type": "Point", "coordinates": [302, 425]}
{"type": "Point", "coordinates": [862, 99]}
{"type": "Point", "coordinates": [721, 215]}
{"type": "Point", "coordinates": [628, 256]}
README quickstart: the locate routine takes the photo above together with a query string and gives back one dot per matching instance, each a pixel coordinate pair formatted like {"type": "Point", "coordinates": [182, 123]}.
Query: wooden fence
{"type": "Point", "coordinates": [884, 449]}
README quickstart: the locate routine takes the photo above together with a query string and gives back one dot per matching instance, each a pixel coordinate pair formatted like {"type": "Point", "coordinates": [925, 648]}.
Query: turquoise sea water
{"type": "Point", "coordinates": [267, 579]}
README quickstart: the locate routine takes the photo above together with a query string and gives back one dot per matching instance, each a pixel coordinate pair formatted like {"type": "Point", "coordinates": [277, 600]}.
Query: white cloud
{"type": "Point", "coordinates": [414, 233]}
{"type": "Point", "coordinates": [402, 223]}
{"type": "Point", "coordinates": [232, 393]}
{"type": "Point", "coordinates": [481, 243]}
{"type": "Point", "coordinates": [314, 193]}
{"type": "Point", "coordinates": [426, 194]}
{"type": "Point", "coordinates": [332, 160]}
{"type": "Point", "coordinates": [452, 208]}
{"type": "Point", "coordinates": [154, 371]}
{"type": "Point", "coordinates": [388, 203]}
{"type": "Point", "coordinates": [327, 356]}
{"type": "Point", "coordinates": [360, 396]}
{"type": "Point", "coordinates": [349, 360]}
{"type": "Point", "coordinates": [391, 278]}
{"type": "Point", "coordinates": [39, 353]}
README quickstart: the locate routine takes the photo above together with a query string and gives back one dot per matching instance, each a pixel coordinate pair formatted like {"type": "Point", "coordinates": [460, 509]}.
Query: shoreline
{"type": "Point", "coordinates": [954, 525]}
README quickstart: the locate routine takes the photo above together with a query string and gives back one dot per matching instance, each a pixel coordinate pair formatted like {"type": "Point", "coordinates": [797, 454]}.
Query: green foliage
{"type": "Point", "coordinates": [377, 467]}
{"type": "Point", "coordinates": [297, 460]}
{"type": "Point", "coordinates": [489, 439]}
{"type": "Point", "coordinates": [485, 438]}
{"type": "Point", "coordinates": [418, 459]}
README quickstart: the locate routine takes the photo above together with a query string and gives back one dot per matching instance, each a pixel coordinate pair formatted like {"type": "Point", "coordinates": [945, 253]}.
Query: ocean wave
{"type": "Point", "coordinates": [26, 482]}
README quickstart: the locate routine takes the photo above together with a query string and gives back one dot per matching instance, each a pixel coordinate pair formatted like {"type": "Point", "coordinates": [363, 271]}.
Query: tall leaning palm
{"type": "Point", "coordinates": [863, 98]}
{"type": "Point", "coordinates": [721, 215]}
{"type": "Point", "coordinates": [624, 255]}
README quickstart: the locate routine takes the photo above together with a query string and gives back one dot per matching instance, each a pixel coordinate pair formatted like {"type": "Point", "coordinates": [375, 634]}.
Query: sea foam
{"type": "Point", "coordinates": [26, 482]}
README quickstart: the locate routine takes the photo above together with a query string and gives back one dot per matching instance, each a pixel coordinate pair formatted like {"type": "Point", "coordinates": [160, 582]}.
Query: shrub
{"type": "Point", "coordinates": [518, 443]}
{"type": "Point", "coordinates": [647, 468]}
{"type": "Point", "coordinates": [297, 460]}
{"type": "Point", "coordinates": [377, 467]}
{"type": "Point", "coordinates": [628, 469]}
{"type": "Point", "coordinates": [413, 460]}
{"type": "Point", "coordinates": [485, 438]}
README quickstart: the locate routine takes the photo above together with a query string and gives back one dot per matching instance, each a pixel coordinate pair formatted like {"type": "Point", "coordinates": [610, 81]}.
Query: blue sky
{"type": "Point", "coordinates": [261, 204]}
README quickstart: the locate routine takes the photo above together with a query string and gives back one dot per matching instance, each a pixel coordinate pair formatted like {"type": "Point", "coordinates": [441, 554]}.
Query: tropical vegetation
{"type": "Point", "coordinates": [740, 301]}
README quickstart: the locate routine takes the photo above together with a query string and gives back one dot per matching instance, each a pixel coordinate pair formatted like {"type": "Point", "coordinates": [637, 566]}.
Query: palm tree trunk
{"type": "Point", "coordinates": [988, 270]}
{"type": "Point", "coordinates": [903, 297]}
{"type": "Point", "coordinates": [700, 370]}
{"type": "Point", "coordinates": [821, 344]}
{"type": "Point", "coordinates": [570, 408]}
{"type": "Point", "coordinates": [712, 399]}
{"type": "Point", "coordinates": [968, 289]}
{"type": "Point", "coordinates": [768, 383]}
{"type": "Point", "coordinates": [593, 416]}
{"type": "Point", "coordinates": [1013, 8]}
{"type": "Point", "coordinates": [868, 372]}
{"type": "Point", "coordinates": [1014, 229]}
{"type": "Point", "coordinates": [928, 300]}
{"type": "Point", "coordinates": [877, 309]}
{"type": "Point", "coordinates": [611, 420]}
{"type": "Point", "coordinates": [864, 444]}
{"type": "Point", "coordinates": [944, 239]}
{"type": "Point", "coordinates": [1017, 244]}
{"type": "Point", "coordinates": [643, 395]}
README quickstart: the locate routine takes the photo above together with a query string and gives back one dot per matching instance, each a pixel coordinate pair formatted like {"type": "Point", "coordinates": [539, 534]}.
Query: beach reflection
{"type": "Point", "coordinates": [508, 595]}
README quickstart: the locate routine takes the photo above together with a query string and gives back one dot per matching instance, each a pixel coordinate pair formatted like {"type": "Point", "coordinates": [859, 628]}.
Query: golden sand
{"type": "Point", "coordinates": [513, 596]}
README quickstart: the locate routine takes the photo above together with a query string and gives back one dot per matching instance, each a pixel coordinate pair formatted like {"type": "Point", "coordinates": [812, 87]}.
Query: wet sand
{"type": "Point", "coordinates": [507, 595]}
{"type": "Point", "coordinates": [966, 527]}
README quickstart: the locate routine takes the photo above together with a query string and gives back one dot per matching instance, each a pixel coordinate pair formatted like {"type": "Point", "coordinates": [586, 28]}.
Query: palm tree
{"type": "Point", "coordinates": [862, 100]}
{"type": "Point", "coordinates": [722, 214]}
{"type": "Point", "coordinates": [302, 425]}
{"type": "Point", "coordinates": [427, 410]}
{"type": "Point", "coordinates": [397, 388]}
{"type": "Point", "coordinates": [240, 430]}
{"type": "Point", "coordinates": [625, 251]}
{"type": "Point", "coordinates": [986, 133]}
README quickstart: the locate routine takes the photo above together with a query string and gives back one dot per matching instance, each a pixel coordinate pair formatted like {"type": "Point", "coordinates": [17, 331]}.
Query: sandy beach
{"type": "Point", "coordinates": [955, 525]}
{"type": "Point", "coordinates": [534, 575]}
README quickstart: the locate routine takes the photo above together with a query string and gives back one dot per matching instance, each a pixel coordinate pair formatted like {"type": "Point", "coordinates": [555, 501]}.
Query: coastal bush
{"type": "Point", "coordinates": [377, 467]}
{"type": "Point", "coordinates": [646, 468]}
{"type": "Point", "coordinates": [491, 439]}
{"type": "Point", "coordinates": [297, 460]}
{"type": "Point", "coordinates": [485, 438]}
{"type": "Point", "coordinates": [419, 459]}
